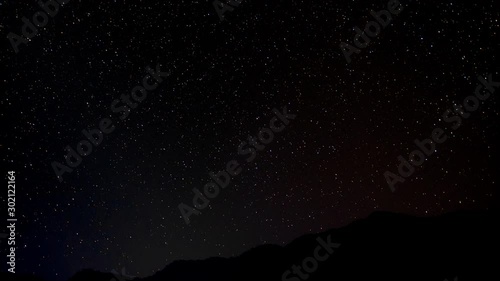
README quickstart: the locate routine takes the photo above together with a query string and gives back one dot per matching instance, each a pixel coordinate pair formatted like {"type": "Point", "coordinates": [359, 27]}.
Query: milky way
{"type": "Point", "coordinates": [120, 206]}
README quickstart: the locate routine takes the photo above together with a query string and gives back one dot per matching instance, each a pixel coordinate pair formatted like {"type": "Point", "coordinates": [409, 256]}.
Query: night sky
{"type": "Point", "coordinates": [119, 208]}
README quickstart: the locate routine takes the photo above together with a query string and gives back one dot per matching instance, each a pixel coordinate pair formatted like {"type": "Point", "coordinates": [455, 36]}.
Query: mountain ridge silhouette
{"type": "Point", "coordinates": [383, 245]}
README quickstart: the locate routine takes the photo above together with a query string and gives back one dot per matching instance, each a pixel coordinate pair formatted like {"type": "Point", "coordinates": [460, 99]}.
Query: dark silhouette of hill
{"type": "Point", "coordinates": [383, 246]}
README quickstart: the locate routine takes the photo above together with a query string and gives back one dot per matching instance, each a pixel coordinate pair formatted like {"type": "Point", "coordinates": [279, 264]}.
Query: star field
{"type": "Point", "coordinates": [119, 208]}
